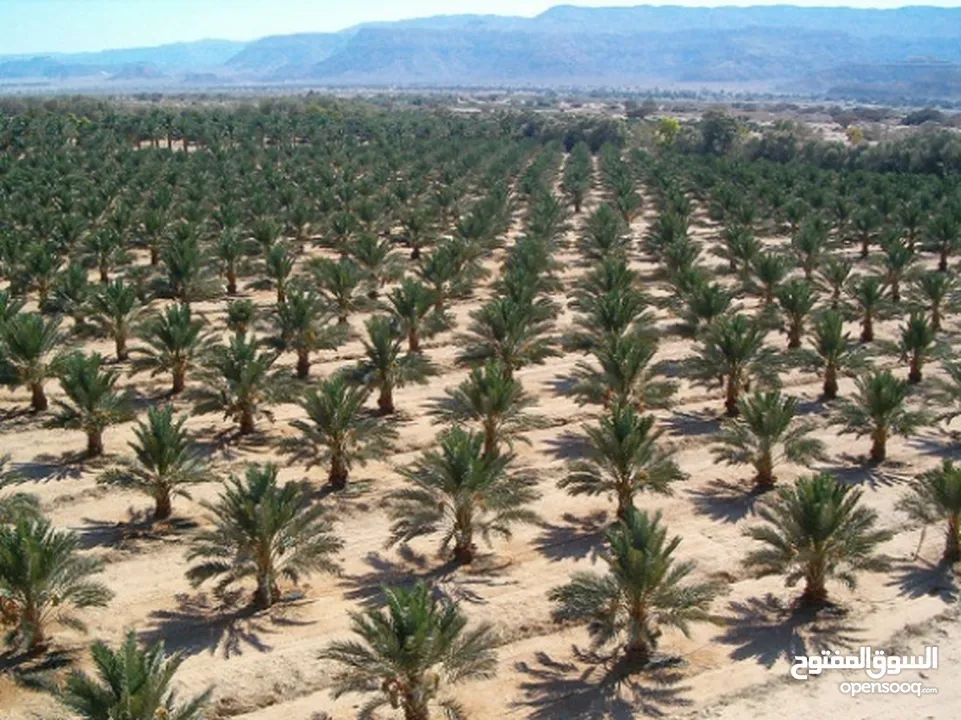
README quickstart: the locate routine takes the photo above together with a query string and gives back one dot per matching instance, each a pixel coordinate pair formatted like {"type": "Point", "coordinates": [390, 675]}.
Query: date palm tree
{"type": "Point", "coordinates": [42, 578]}
{"type": "Point", "coordinates": [936, 293]}
{"type": "Point", "coordinates": [704, 302]}
{"type": "Point", "coordinates": [943, 238]}
{"type": "Point", "coordinates": [386, 366]}
{"type": "Point", "coordinates": [116, 308]}
{"type": "Point", "coordinates": [623, 458]}
{"type": "Point", "coordinates": [834, 278]}
{"type": "Point", "coordinates": [732, 352]}
{"type": "Point", "coordinates": [767, 432]}
{"type": "Point", "coordinates": [412, 305]}
{"type": "Point", "coordinates": [895, 265]}
{"type": "Point", "coordinates": [616, 312]}
{"type": "Point", "coordinates": [507, 331]}
{"type": "Point", "coordinates": [340, 431]}
{"type": "Point", "coordinates": [342, 284]}
{"type": "Point", "coordinates": [377, 260]}
{"type": "Point", "coordinates": [809, 246]}
{"type": "Point", "coordinates": [645, 588]}
{"type": "Point", "coordinates": [264, 531]}
{"type": "Point", "coordinates": [241, 316]}
{"type": "Point", "coordinates": [917, 344]}
{"type": "Point", "coordinates": [832, 352]}
{"type": "Point", "coordinates": [879, 409]}
{"type": "Point", "coordinates": [869, 301]}
{"type": "Point", "coordinates": [406, 653]}
{"type": "Point", "coordinates": [463, 492]}
{"type": "Point", "coordinates": [815, 531]}
{"type": "Point", "coordinates": [72, 293]}
{"type": "Point", "coordinates": [769, 270]}
{"type": "Point", "coordinates": [935, 496]}
{"type": "Point", "coordinates": [303, 326]}
{"type": "Point", "coordinates": [92, 402]}
{"type": "Point", "coordinates": [166, 461]}
{"type": "Point", "coordinates": [131, 682]}
{"type": "Point", "coordinates": [28, 356]}
{"type": "Point", "coordinates": [238, 379]}
{"type": "Point", "coordinates": [621, 371]}
{"type": "Point", "coordinates": [496, 403]}
{"type": "Point", "coordinates": [796, 299]}
{"type": "Point", "coordinates": [174, 343]}
{"type": "Point", "coordinates": [231, 250]}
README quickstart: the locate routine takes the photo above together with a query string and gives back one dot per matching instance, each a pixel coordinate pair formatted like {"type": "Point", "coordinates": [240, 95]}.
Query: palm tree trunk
{"type": "Point", "coordinates": [281, 295]}
{"type": "Point", "coordinates": [120, 341]}
{"type": "Point", "coordinates": [246, 421]}
{"type": "Point", "coordinates": [38, 400]}
{"type": "Point", "coordinates": [952, 543]}
{"type": "Point", "coordinates": [638, 649]}
{"type": "Point", "coordinates": [337, 477]}
{"type": "Point", "coordinates": [162, 505]}
{"type": "Point", "coordinates": [730, 401]}
{"type": "Point", "coordinates": [936, 318]}
{"type": "Point", "coordinates": [413, 340]}
{"type": "Point", "coordinates": [895, 291]}
{"type": "Point", "coordinates": [830, 390]}
{"type": "Point", "coordinates": [104, 274]}
{"type": "Point", "coordinates": [943, 261]}
{"type": "Point", "coordinates": [867, 328]}
{"type": "Point", "coordinates": [765, 472]}
{"type": "Point", "coordinates": [914, 373]}
{"type": "Point", "coordinates": [30, 617]}
{"type": "Point", "coordinates": [625, 501]}
{"type": "Point", "coordinates": [303, 363]}
{"type": "Point", "coordinates": [794, 336]}
{"type": "Point", "coordinates": [815, 593]}
{"type": "Point", "coordinates": [415, 707]}
{"type": "Point", "coordinates": [94, 443]}
{"type": "Point", "coordinates": [879, 444]}
{"type": "Point", "coordinates": [154, 255]}
{"type": "Point", "coordinates": [386, 400]}
{"type": "Point", "coordinates": [179, 379]}
{"type": "Point", "coordinates": [231, 281]}
{"type": "Point", "coordinates": [267, 592]}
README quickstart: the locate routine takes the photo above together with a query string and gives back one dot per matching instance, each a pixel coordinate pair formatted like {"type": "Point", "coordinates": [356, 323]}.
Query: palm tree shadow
{"type": "Point", "coordinates": [916, 580]}
{"type": "Point", "coordinates": [199, 624]}
{"type": "Point", "coordinates": [858, 470]}
{"type": "Point", "coordinates": [688, 424]}
{"type": "Point", "coordinates": [765, 629]}
{"type": "Point", "coordinates": [139, 526]}
{"type": "Point", "coordinates": [450, 580]}
{"type": "Point", "coordinates": [596, 687]}
{"type": "Point", "coordinates": [576, 539]}
{"type": "Point", "coordinates": [725, 501]}
{"type": "Point", "coordinates": [52, 468]}
{"type": "Point", "coordinates": [567, 446]}
{"type": "Point", "coordinates": [37, 669]}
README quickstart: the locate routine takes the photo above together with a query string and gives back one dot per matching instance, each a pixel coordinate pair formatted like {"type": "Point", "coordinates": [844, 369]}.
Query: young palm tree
{"type": "Point", "coordinates": [865, 225]}
{"type": "Point", "coordinates": [404, 650]}
{"type": "Point", "coordinates": [624, 458]}
{"type": "Point", "coordinates": [868, 298]}
{"type": "Point", "coordinates": [796, 299]}
{"type": "Point", "coordinates": [278, 267]}
{"type": "Point", "coordinates": [340, 431]}
{"type": "Point", "coordinates": [167, 461]}
{"type": "Point", "coordinates": [72, 293]}
{"type": "Point", "coordinates": [264, 531]}
{"type": "Point", "coordinates": [944, 238]}
{"type": "Point", "coordinates": [509, 332]}
{"type": "Point", "coordinates": [835, 275]}
{"type": "Point", "coordinates": [342, 284]}
{"type": "Point", "coordinates": [386, 366]}
{"type": "Point", "coordinates": [935, 496]}
{"type": "Point", "coordinates": [115, 309]}
{"type": "Point", "coordinates": [104, 250]}
{"type": "Point", "coordinates": [896, 263]}
{"type": "Point", "coordinates": [917, 344]}
{"type": "Point", "coordinates": [622, 372]}
{"type": "Point", "coordinates": [616, 312]}
{"type": "Point", "coordinates": [28, 344]}
{"type": "Point", "coordinates": [732, 352]}
{"type": "Point", "coordinates": [92, 403]}
{"type": "Point", "coordinates": [41, 577]}
{"type": "Point", "coordinates": [241, 316]}
{"type": "Point", "coordinates": [643, 590]}
{"type": "Point", "coordinates": [809, 246]}
{"type": "Point", "coordinates": [131, 682]}
{"type": "Point", "coordinates": [175, 341]}
{"type": "Point", "coordinates": [231, 250]}
{"type": "Point", "coordinates": [815, 531]}
{"type": "Point", "coordinates": [765, 433]}
{"type": "Point", "coordinates": [741, 249]}
{"type": "Point", "coordinates": [704, 302]}
{"type": "Point", "coordinates": [185, 264]}
{"type": "Point", "coordinates": [239, 380]}
{"type": "Point", "coordinates": [412, 306]}
{"type": "Point", "coordinates": [936, 293]}
{"type": "Point", "coordinates": [832, 351]}
{"type": "Point", "coordinates": [769, 269]}
{"type": "Point", "coordinates": [498, 404]}
{"type": "Point", "coordinates": [302, 326]}
{"type": "Point", "coordinates": [10, 306]}
{"type": "Point", "coordinates": [462, 491]}
{"type": "Point", "coordinates": [376, 258]}
{"type": "Point", "coordinates": [879, 409]}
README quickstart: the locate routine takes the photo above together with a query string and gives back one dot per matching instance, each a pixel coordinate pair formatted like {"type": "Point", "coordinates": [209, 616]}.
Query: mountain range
{"type": "Point", "coordinates": [911, 50]}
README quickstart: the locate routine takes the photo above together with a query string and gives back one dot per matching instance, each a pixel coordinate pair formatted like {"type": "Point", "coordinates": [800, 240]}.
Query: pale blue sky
{"type": "Point", "coordinates": [34, 26]}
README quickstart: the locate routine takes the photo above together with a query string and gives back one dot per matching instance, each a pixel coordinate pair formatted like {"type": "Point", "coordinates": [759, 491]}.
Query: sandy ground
{"type": "Point", "coordinates": [265, 666]}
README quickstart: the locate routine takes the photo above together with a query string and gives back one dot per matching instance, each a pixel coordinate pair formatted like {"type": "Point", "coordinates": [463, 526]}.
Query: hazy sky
{"type": "Point", "coordinates": [31, 26]}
